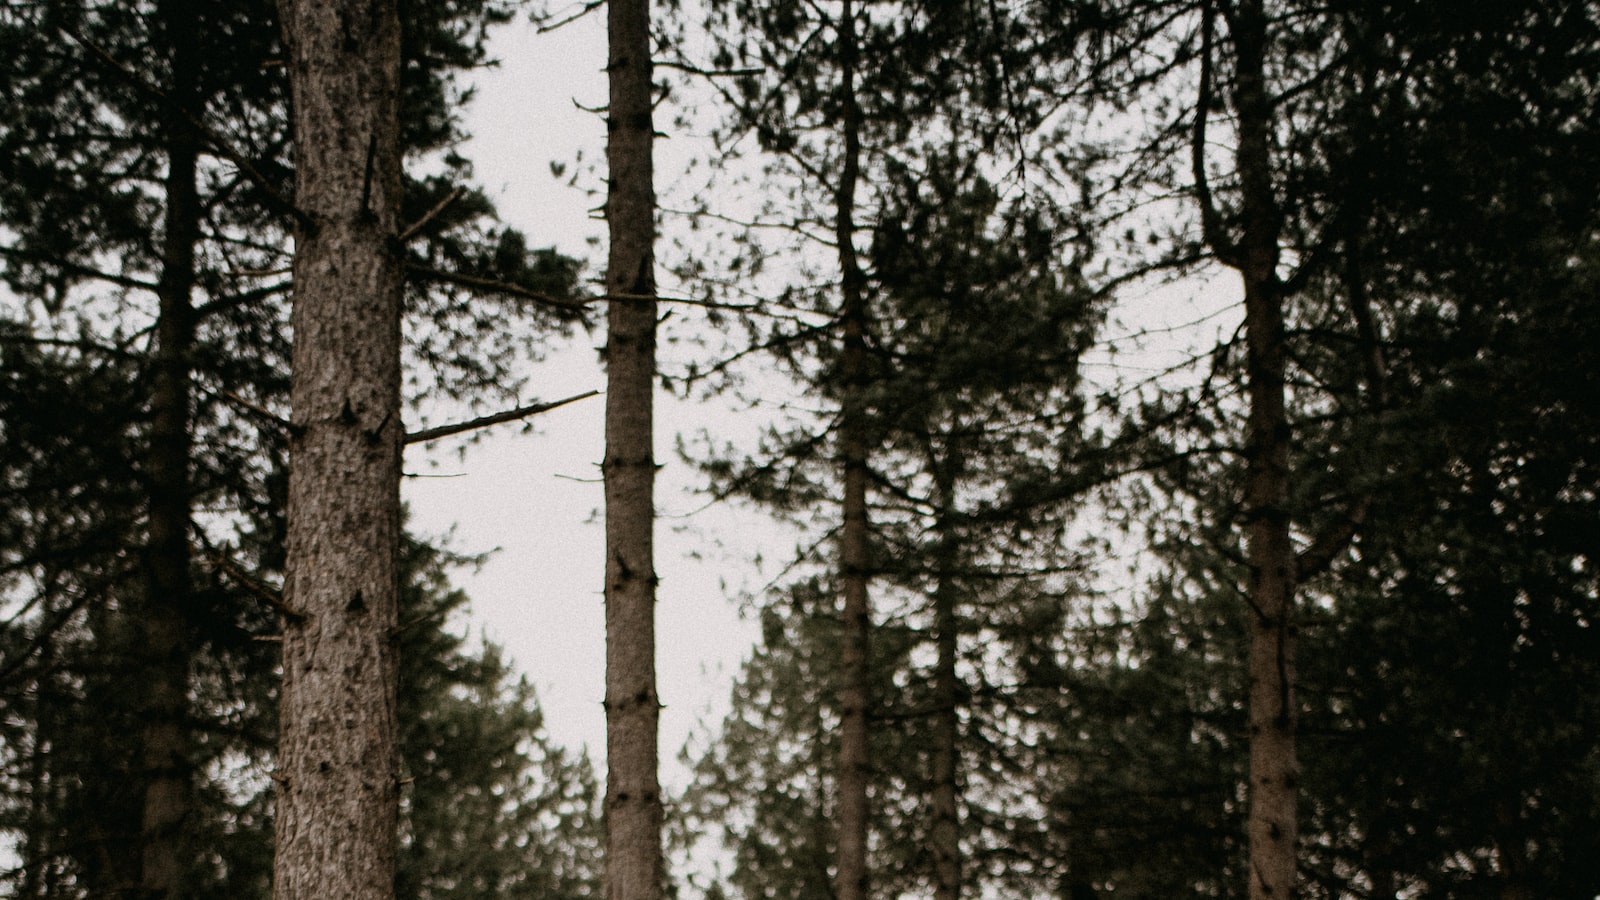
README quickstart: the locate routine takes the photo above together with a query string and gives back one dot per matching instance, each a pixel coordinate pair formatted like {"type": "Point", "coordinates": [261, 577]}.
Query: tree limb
{"type": "Point", "coordinates": [1226, 250]}
{"type": "Point", "coordinates": [495, 286]}
{"type": "Point", "coordinates": [218, 146]}
{"type": "Point", "coordinates": [511, 415]}
{"type": "Point", "coordinates": [416, 227]}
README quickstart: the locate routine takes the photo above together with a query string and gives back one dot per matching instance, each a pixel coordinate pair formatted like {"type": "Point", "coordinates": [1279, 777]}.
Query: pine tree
{"type": "Point", "coordinates": [338, 762]}
{"type": "Point", "coordinates": [220, 361]}
{"type": "Point", "coordinates": [491, 805]}
{"type": "Point", "coordinates": [634, 866]}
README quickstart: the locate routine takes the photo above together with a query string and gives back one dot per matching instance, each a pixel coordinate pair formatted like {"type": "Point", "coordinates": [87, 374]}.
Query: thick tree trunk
{"type": "Point", "coordinates": [853, 812]}
{"type": "Point", "coordinates": [338, 779]}
{"type": "Point", "coordinates": [1270, 556]}
{"type": "Point", "coordinates": [634, 868]}
{"type": "Point", "coordinates": [164, 614]}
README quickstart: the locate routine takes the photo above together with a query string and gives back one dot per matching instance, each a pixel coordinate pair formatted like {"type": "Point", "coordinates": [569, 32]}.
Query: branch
{"type": "Point", "coordinates": [256, 589]}
{"type": "Point", "coordinates": [218, 145]}
{"type": "Point", "coordinates": [416, 227]}
{"type": "Point", "coordinates": [583, 10]}
{"type": "Point", "coordinates": [243, 298]}
{"type": "Point", "coordinates": [512, 415]}
{"type": "Point", "coordinates": [263, 413]}
{"type": "Point", "coordinates": [45, 633]}
{"type": "Point", "coordinates": [80, 270]}
{"type": "Point", "coordinates": [1210, 220]}
{"type": "Point", "coordinates": [1318, 556]}
{"type": "Point", "coordinates": [82, 346]}
{"type": "Point", "coordinates": [495, 286]}
{"type": "Point", "coordinates": [704, 73]}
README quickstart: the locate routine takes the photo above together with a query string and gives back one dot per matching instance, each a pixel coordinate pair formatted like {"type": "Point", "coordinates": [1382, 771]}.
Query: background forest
{"type": "Point", "coordinates": [1067, 596]}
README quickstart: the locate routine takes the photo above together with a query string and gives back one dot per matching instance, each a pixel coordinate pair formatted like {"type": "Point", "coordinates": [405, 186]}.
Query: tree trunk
{"type": "Point", "coordinates": [164, 612]}
{"type": "Point", "coordinates": [1274, 777]}
{"type": "Point", "coordinates": [338, 779]}
{"type": "Point", "coordinates": [852, 877]}
{"type": "Point", "coordinates": [945, 834]}
{"type": "Point", "coordinates": [634, 869]}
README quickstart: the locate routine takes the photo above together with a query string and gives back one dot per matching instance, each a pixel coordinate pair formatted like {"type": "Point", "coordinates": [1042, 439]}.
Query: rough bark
{"type": "Point", "coordinates": [337, 777]}
{"type": "Point", "coordinates": [852, 877]}
{"type": "Point", "coordinates": [1269, 552]}
{"type": "Point", "coordinates": [165, 609]}
{"type": "Point", "coordinates": [633, 867]}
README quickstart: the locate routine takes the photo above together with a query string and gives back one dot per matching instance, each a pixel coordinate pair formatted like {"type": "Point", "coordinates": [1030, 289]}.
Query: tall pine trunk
{"type": "Point", "coordinates": [634, 868]}
{"type": "Point", "coordinates": [1269, 552]}
{"type": "Point", "coordinates": [338, 766]}
{"type": "Point", "coordinates": [165, 610]}
{"type": "Point", "coordinates": [945, 831]}
{"type": "Point", "coordinates": [852, 877]}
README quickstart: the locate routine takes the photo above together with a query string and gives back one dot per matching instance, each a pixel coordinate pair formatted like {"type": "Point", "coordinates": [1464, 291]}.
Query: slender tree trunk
{"type": "Point", "coordinates": [1511, 851]}
{"type": "Point", "coordinates": [338, 781]}
{"type": "Point", "coordinates": [1270, 555]}
{"type": "Point", "coordinates": [854, 543]}
{"type": "Point", "coordinates": [945, 834]}
{"type": "Point", "coordinates": [634, 868]}
{"type": "Point", "coordinates": [165, 610]}
{"type": "Point", "coordinates": [37, 844]}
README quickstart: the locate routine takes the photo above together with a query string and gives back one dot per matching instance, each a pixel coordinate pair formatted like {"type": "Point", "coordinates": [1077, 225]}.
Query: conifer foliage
{"type": "Point", "coordinates": [1303, 606]}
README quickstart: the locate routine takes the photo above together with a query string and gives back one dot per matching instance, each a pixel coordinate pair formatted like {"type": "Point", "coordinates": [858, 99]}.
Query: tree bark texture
{"type": "Point", "coordinates": [164, 611]}
{"type": "Point", "coordinates": [1269, 552]}
{"type": "Point", "coordinates": [338, 779]}
{"type": "Point", "coordinates": [634, 868]}
{"type": "Point", "coordinates": [853, 811]}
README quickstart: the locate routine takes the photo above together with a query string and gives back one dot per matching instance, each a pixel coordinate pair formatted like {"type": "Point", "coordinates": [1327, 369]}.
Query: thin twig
{"type": "Point", "coordinates": [584, 10]}
{"type": "Point", "coordinates": [416, 227]}
{"type": "Point", "coordinates": [261, 412]}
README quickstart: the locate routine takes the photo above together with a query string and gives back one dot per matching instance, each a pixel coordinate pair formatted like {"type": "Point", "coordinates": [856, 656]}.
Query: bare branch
{"type": "Point", "coordinates": [583, 10]}
{"type": "Point", "coordinates": [261, 412]}
{"type": "Point", "coordinates": [416, 227]}
{"type": "Point", "coordinates": [496, 286]}
{"type": "Point", "coordinates": [511, 415]}
{"type": "Point", "coordinates": [1211, 226]}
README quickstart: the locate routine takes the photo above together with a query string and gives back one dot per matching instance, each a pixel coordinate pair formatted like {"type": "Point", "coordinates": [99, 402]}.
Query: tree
{"type": "Point", "coordinates": [210, 449]}
{"type": "Point", "coordinates": [338, 765]}
{"type": "Point", "coordinates": [1335, 211]}
{"type": "Point", "coordinates": [842, 140]}
{"type": "Point", "coordinates": [971, 401]}
{"type": "Point", "coordinates": [634, 867]}
{"type": "Point", "coordinates": [104, 179]}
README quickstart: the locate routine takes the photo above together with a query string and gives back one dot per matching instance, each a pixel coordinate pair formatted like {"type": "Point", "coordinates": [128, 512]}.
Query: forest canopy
{"type": "Point", "coordinates": [1181, 419]}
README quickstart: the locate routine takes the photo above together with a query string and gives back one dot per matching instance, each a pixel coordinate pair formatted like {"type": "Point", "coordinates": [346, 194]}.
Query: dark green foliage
{"type": "Point", "coordinates": [1145, 747]}
{"type": "Point", "coordinates": [88, 135]}
{"type": "Point", "coordinates": [1433, 171]}
{"type": "Point", "coordinates": [493, 808]}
